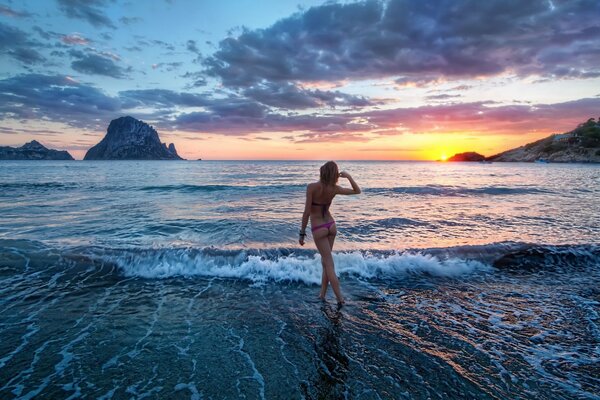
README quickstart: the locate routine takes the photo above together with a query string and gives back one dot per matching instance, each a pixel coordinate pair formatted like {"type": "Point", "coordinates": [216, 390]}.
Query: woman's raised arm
{"type": "Point", "coordinates": [355, 189]}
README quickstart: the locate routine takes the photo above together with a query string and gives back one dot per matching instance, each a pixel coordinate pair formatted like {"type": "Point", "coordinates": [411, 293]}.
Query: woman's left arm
{"type": "Point", "coordinates": [305, 215]}
{"type": "Point", "coordinates": [355, 188]}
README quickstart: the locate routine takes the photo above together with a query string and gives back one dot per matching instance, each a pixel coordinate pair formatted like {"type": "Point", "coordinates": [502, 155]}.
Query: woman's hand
{"type": "Point", "coordinates": [344, 174]}
{"type": "Point", "coordinates": [301, 240]}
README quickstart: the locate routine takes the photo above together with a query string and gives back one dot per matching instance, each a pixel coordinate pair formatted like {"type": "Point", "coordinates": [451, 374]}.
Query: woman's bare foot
{"type": "Point", "coordinates": [322, 298]}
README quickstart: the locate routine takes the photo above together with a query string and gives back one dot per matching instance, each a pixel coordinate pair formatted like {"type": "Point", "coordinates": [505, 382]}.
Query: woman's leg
{"type": "Point", "coordinates": [325, 279]}
{"type": "Point", "coordinates": [331, 236]}
{"type": "Point", "coordinates": [321, 237]}
{"type": "Point", "coordinates": [324, 284]}
{"type": "Point", "coordinates": [318, 235]}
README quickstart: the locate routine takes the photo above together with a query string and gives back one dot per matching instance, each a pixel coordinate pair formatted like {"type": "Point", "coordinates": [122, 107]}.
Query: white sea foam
{"type": "Point", "coordinates": [291, 268]}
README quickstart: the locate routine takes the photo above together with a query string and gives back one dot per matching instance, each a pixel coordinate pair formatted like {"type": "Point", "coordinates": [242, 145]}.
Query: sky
{"type": "Point", "coordinates": [281, 79]}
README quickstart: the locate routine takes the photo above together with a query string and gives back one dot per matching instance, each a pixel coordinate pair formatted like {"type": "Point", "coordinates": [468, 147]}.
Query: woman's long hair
{"type": "Point", "coordinates": [329, 173]}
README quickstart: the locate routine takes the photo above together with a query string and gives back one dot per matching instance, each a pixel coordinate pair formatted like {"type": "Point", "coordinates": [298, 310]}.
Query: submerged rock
{"type": "Point", "coordinates": [130, 139]}
{"type": "Point", "coordinates": [33, 150]}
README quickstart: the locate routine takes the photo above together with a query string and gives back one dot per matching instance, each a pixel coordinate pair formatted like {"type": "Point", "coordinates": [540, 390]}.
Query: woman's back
{"type": "Point", "coordinates": [323, 194]}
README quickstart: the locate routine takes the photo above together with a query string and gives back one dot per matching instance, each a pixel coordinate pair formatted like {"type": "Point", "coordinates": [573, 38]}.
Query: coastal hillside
{"type": "Point", "coordinates": [33, 150]}
{"type": "Point", "coordinates": [130, 139]}
{"type": "Point", "coordinates": [582, 144]}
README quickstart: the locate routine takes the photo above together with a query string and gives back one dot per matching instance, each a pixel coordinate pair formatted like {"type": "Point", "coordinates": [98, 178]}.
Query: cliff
{"type": "Point", "coordinates": [33, 150]}
{"type": "Point", "coordinates": [579, 145]}
{"type": "Point", "coordinates": [130, 139]}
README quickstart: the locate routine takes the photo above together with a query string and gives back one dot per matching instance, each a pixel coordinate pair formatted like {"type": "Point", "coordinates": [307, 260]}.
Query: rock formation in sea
{"type": "Point", "coordinates": [468, 156]}
{"type": "Point", "coordinates": [579, 145]}
{"type": "Point", "coordinates": [130, 139]}
{"type": "Point", "coordinates": [33, 150]}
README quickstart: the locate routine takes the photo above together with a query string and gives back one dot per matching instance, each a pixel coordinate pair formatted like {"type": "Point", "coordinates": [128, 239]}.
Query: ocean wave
{"type": "Point", "coordinates": [443, 190]}
{"type": "Point", "coordinates": [188, 188]}
{"type": "Point", "coordinates": [282, 266]}
{"type": "Point", "coordinates": [37, 185]}
{"type": "Point", "coordinates": [304, 266]}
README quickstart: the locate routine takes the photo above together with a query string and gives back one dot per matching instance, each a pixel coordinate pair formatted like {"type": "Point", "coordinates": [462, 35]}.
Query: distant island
{"type": "Point", "coordinates": [33, 150]}
{"type": "Point", "coordinates": [468, 156]}
{"type": "Point", "coordinates": [582, 144]}
{"type": "Point", "coordinates": [128, 138]}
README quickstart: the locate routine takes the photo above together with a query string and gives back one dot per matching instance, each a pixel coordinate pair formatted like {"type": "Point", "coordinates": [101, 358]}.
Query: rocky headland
{"type": "Point", "coordinates": [128, 138]}
{"type": "Point", "coordinates": [33, 150]}
{"type": "Point", "coordinates": [582, 144]}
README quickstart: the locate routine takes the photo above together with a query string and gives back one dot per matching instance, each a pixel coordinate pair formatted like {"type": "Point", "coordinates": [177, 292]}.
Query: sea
{"type": "Point", "coordinates": [185, 280]}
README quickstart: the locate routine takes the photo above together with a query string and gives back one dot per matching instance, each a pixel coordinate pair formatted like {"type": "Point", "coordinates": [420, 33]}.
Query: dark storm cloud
{"type": "Point", "coordinates": [96, 64]}
{"type": "Point", "coordinates": [89, 10]}
{"type": "Point", "coordinates": [16, 43]}
{"type": "Point", "coordinates": [416, 41]}
{"type": "Point", "coordinates": [287, 95]}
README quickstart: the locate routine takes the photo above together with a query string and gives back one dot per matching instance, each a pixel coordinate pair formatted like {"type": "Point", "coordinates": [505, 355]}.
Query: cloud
{"type": "Point", "coordinates": [16, 43]}
{"type": "Point", "coordinates": [75, 38]}
{"type": "Point", "coordinates": [56, 98]}
{"type": "Point", "coordinates": [9, 12]}
{"type": "Point", "coordinates": [88, 10]}
{"type": "Point", "coordinates": [130, 20]}
{"type": "Point", "coordinates": [96, 64]}
{"type": "Point", "coordinates": [443, 96]}
{"type": "Point", "coordinates": [198, 79]}
{"type": "Point", "coordinates": [290, 96]}
{"type": "Point", "coordinates": [164, 44]}
{"type": "Point", "coordinates": [62, 99]}
{"type": "Point", "coordinates": [170, 66]}
{"type": "Point", "coordinates": [133, 48]}
{"type": "Point", "coordinates": [192, 46]}
{"type": "Point", "coordinates": [416, 41]}
{"type": "Point", "coordinates": [478, 118]}
{"type": "Point", "coordinates": [162, 98]}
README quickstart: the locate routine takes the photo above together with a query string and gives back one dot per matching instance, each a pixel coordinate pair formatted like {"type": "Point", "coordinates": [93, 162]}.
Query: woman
{"type": "Point", "coordinates": [318, 199]}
